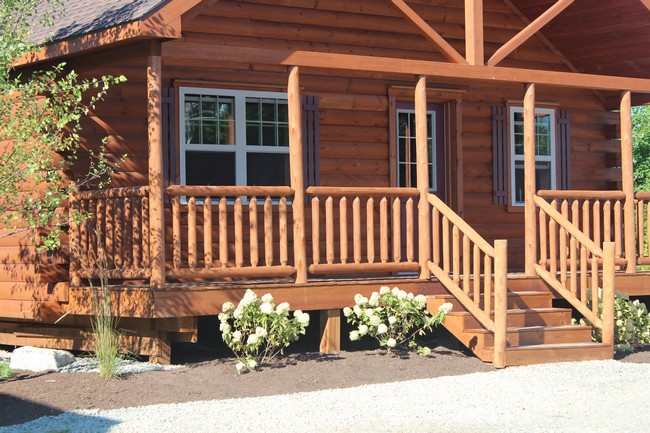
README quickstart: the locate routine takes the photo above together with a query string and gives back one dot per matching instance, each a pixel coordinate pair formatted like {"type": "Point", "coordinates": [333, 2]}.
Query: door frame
{"type": "Point", "coordinates": [451, 99]}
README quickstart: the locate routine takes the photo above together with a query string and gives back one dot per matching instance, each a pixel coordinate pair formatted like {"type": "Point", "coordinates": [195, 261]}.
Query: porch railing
{"type": "Point", "coordinates": [251, 227]}
{"type": "Point", "coordinates": [344, 227]}
{"type": "Point", "coordinates": [586, 271]}
{"type": "Point", "coordinates": [109, 234]}
{"type": "Point", "coordinates": [474, 271]}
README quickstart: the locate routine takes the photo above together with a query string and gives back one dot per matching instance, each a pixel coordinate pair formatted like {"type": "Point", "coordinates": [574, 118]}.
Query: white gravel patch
{"type": "Point", "coordinates": [594, 396]}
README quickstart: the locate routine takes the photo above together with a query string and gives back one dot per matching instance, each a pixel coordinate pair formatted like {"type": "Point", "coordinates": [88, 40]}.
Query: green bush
{"type": "Point", "coordinates": [393, 317]}
{"type": "Point", "coordinates": [257, 330]}
{"type": "Point", "coordinates": [631, 323]}
{"type": "Point", "coordinates": [5, 371]}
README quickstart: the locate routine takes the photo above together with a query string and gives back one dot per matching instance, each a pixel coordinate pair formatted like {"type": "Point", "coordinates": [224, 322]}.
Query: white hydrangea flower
{"type": "Point", "coordinates": [619, 323]}
{"type": "Point", "coordinates": [227, 307]}
{"type": "Point", "coordinates": [391, 342]}
{"type": "Point", "coordinates": [253, 339]}
{"type": "Point", "coordinates": [240, 366]}
{"type": "Point", "coordinates": [401, 295]}
{"type": "Point", "coordinates": [357, 298]}
{"type": "Point", "coordinates": [347, 311]}
{"type": "Point", "coordinates": [354, 335]}
{"type": "Point", "coordinates": [384, 290]}
{"type": "Point", "coordinates": [297, 313]}
{"type": "Point", "coordinates": [261, 332]}
{"type": "Point", "coordinates": [374, 299]}
{"type": "Point", "coordinates": [357, 310]}
{"type": "Point", "coordinates": [224, 327]}
{"type": "Point", "coordinates": [266, 308]}
{"type": "Point", "coordinates": [363, 329]}
{"type": "Point", "coordinates": [446, 307]}
{"type": "Point", "coordinates": [223, 317]}
{"type": "Point", "coordinates": [238, 313]}
{"type": "Point", "coordinates": [374, 320]}
{"type": "Point", "coordinates": [267, 298]}
{"type": "Point", "coordinates": [410, 296]}
{"type": "Point", "coordinates": [395, 291]}
{"type": "Point", "coordinates": [364, 300]}
{"type": "Point", "coordinates": [303, 319]}
{"type": "Point", "coordinates": [370, 312]}
{"type": "Point", "coordinates": [382, 328]}
{"type": "Point", "coordinates": [248, 298]}
{"type": "Point", "coordinates": [236, 336]}
{"type": "Point", "coordinates": [282, 309]}
{"type": "Point", "coordinates": [392, 320]}
{"type": "Point", "coordinates": [252, 364]}
{"type": "Point", "coordinates": [421, 299]}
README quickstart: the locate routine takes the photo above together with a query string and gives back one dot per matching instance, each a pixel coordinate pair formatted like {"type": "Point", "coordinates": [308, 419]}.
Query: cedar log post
{"type": "Point", "coordinates": [330, 331]}
{"type": "Point", "coordinates": [500, 302]}
{"type": "Point", "coordinates": [422, 159]}
{"type": "Point", "coordinates": [529, 180]}
{"type": "Point", "coordinates": [609, 263]}
{"type": "Point", "coordinates": [297, 181]}
{"type": "Point", "coordinates": [474, 32]}
{"type": "Point", "coordinates": [627, 169]}
{"type": "Point", "coordinates": [156, 198]}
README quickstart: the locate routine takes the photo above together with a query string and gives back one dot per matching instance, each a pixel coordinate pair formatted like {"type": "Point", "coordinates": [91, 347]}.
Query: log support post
{"type": "Point", "coordinates": [156, 197]}
{"type": "Point", "coordinates": [609, 264]}
{"type": "Point", "coordinates": [529, 181]}
{"type": "Point", "coordinates": [422, 160]}
{"type": "Point", "coordinates": [474, 32]}
{"type": "Point", "coordinates": [500, 302]}
{"type": "Point", "coordinates": [297, 174]}
{"type": "Point", "coordinates": [330, 331]}
{"type": "Point", "coordinates": [627, 169]}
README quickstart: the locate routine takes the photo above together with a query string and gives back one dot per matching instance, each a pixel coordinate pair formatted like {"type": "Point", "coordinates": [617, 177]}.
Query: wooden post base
{"type": "Point", "coordinates": [330, 331]}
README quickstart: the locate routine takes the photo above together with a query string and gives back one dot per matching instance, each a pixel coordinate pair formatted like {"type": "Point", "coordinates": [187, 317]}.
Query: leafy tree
{"type": "Point", "coordinates": [641, 147]}
{"type": "Point", "coordinates": [40, 114]}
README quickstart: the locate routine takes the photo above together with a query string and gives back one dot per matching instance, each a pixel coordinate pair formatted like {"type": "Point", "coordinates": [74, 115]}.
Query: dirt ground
{"type": "Point", "coordinates": [28, 396]}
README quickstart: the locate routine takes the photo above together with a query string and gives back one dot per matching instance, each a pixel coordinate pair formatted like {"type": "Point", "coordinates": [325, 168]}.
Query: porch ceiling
{"type": "Point", "coordinates": [598, 37]}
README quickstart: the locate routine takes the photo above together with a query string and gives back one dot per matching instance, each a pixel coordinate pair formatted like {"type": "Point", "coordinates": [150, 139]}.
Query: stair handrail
{"type": "Point", "coordinates": [443, 215]}
{"type": "Point", "coordinates": [579, 244]}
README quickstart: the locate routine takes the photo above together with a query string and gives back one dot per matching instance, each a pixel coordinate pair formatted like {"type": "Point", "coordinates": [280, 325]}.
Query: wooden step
{"type": "Point", "coordinates": [531, 335]}
{"type": "Point", "coordinates": [545, 353]}
{"type": "Point", "coordinates": [516, 300]}
{"type": "Point", "coordinates": [517, 318]}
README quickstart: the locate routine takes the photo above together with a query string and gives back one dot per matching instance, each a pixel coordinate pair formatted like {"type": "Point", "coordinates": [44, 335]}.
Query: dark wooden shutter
{"type": "Point", "coordinates": [499, 155]}
{"type": "Point", "coordinates": [310, 139]}
{"type": "Point", "coordinates": [168, 136]}
{"type": "Point", "coordinates": [564, 151]}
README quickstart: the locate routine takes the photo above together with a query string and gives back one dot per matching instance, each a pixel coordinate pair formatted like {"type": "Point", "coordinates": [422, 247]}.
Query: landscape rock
{"type": "Point", "coordinates": [37, 359]}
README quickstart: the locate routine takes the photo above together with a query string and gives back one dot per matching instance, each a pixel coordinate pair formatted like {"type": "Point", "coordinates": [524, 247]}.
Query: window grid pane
{"type": "Point", "coordinates": [407, 150]}
{"type": "Point", "coordinates": [267, 122]}
{"type": "Point", "coordinates": [209, 119]}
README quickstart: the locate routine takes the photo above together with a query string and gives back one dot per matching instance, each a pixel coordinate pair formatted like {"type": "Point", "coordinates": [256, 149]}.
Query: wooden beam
{"type": "Point", "coordinates": [528, 31]}
{"type": "Point", "coordinates": [428, 32]}
{"type": "Point", "coordinates": [296, 173]}
{"type": "Point", "coordinates": [330, 330]}
{"type": "Point", "coordinates": [156, 197]}
{"type": "Point", "coordinates": [530, 239]}
{"type": "Point", "coordinates": [627, 168]}
{"type": "Point", "coordinates": [422, 168]}
{"type": "Point", "coordinates": [179, 51]}
{"type": "Point", "coordinates": [474, 46]}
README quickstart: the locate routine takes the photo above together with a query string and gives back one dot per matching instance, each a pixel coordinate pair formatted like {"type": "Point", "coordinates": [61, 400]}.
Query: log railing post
{"type": "Point", "coordinates": [73, 236]}
{"type": "Point", "coordinates": [627, 169]}
{"type": "Point", "coordinates": [422, 159]}
{"type": "Point", "coordinates": [500, 302]}
{"type": "Point", "coordinates": [609, 263]}
{"type": "Point", "coordinates": [156, 198]}
{"type": "Point", "coordinates": [529, 181]}
{"type": "Point", "coordinates": [296, 168]}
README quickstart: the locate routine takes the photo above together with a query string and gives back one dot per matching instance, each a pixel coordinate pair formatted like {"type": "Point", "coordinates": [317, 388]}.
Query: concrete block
{"type": "Point", "coordinates": [37, 359]}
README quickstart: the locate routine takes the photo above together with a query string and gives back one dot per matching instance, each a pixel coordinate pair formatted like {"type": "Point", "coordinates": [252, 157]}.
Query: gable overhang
{"type": "Point", "coordinates": [162, 23]}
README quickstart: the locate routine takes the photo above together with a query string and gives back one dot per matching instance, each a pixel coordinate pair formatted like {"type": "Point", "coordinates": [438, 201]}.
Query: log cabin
{"type": "Point", "coordinates": [476, 151]}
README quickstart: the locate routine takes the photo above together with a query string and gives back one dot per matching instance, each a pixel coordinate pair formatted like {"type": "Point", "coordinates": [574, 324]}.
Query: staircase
{"type": "Point", "coordinates": [536, 331]}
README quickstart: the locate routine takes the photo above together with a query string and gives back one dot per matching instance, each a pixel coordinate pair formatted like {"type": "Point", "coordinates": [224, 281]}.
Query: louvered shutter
{"type": "Point", "coordinates": [310, 139]}
{"type": "Point", "coordinates": [564, 152]}
{"type": "Point", "coordinates": [499, 155]}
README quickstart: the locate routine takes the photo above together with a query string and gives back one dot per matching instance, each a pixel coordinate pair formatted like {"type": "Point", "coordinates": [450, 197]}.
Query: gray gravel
{"type": "Point", "coordinates": [594, 396]}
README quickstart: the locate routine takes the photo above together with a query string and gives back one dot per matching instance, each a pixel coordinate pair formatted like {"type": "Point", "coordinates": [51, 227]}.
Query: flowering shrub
{"type": "Point", "coordinates": [257, 330]}
{"type": "Point", "coordinates": [393, 317]}
{"type": "Point", "coordinates": [631, 323]}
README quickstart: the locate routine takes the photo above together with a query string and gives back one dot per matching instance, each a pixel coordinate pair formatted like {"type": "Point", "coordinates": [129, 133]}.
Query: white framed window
{"type": "Point", "coordinates": [233, 137]}
{"type": "Point", "coordinates": [545, 173]}
{"type": "Point", "coordinates": [407, 150]}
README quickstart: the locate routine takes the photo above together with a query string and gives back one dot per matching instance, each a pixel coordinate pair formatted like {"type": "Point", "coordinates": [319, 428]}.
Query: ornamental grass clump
{"type": "Point", "coordinates": [257, 330]}
{"type": "Point", "coordinates": [393, 317]}
{"type": "Point", "coordinates": [631, 323]}
{"type": "Point", "coordinates": [5, 371]}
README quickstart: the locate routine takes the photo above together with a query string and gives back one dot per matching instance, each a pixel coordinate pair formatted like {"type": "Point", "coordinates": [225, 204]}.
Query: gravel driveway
{"type": "Point", "coordinates": [595, 396]}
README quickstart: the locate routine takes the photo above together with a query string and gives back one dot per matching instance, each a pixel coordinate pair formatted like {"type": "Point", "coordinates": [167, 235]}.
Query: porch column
{"type": "Point", "coordinates": [156, 199]}
{"type": "Point", "coordinates": [627, 169]}
{"type": "Point", "coordinates": [297, 173]}
{"type": "Point", "coordinates": [422, 164]}
{"type": "Point", "coordinates": [474, 32]}
{"type": "Point", "coordinates": [530, 234]}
